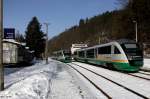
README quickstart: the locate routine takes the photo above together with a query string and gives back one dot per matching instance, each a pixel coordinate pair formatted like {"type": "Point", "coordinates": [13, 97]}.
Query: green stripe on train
{"type": "Point", "coordinates": [116, 65]}
{"type": "Point", "coordinates": [125, 66]}
{"type": "Point", "coordinates": [65, 61]}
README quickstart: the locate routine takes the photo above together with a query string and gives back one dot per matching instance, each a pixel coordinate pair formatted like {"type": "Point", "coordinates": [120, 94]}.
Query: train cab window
{"type": "Point", "coordinates": [67, 53]}
{"type": "Point", "coordinates": [132, 49]}
{"type": "Point", "coordinates": [81, 54]}
{"type": "Point", "coordinates": [90, 53]}
{"type": "Point", "coordinates": [104, 50]}
{"type": "Point", "coordinates": [75, 53]}
{"type": "Point", "coordinates": [116, 51]}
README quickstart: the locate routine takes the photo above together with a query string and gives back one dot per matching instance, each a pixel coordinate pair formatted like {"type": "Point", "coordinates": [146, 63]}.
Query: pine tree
{"type": "Point", "coordinates": [35, 37]}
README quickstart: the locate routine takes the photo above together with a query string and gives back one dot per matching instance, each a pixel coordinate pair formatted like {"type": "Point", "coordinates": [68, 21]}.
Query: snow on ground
{"type": "Point", "coordinates": [63, 85]}
{"type": "Point", "coordinates": [146, 64]}
{"type": "Point", "coordinates": [108, 87]}
{"type": "Point", "coordinates": [41, 81]}
{"type": "Point", "coordinates": [136, 84]}
{"type": "Point", "coordinates": [9, 71]}
{"type": "Point", "coordinates": [88, 91]}
{"type": "Point", "coordinates": [52, 81]}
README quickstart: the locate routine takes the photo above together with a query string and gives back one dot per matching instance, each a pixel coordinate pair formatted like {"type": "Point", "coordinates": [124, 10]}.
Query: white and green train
{"type": "Point", "coordinates": [120, 55]}
{"type": "Point", "coordinates": [62, 55]}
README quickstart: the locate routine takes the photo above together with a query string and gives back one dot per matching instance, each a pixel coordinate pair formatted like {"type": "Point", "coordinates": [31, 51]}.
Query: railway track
{"type": "Point", "coordinates": [108, 96]}
{"type": "Point", "coordinates": [104, 93]}
{"type": "Point", "coordinates": [145, 73]}
{"type": "Point", "coordinates": [140, 75]}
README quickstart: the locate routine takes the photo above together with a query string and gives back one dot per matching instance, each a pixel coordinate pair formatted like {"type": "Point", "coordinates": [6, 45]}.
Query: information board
{"type": "Point", "coordinates": [9, 33]}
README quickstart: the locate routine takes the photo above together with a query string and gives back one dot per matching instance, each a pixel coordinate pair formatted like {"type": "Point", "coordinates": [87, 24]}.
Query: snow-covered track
{"type": "Point", "coordinates": [104, 93]}
{"type": "Point", "coordinates": [145, 73]}
{"type": "Point", "coordinates": [141, 76]}
{"type": "Point", "coordinates": [120, 85]}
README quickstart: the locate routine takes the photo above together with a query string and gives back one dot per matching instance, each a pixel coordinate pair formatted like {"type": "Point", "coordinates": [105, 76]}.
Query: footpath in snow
{"type": "Point", "coordinates": [42, 81]}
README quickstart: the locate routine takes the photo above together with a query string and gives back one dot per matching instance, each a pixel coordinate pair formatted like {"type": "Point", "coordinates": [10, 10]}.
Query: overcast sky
{"type": "Point", "coordinates": [61, 14]}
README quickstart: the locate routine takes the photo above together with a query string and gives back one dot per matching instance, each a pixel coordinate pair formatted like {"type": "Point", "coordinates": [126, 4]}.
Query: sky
{"type": "Point", "coordinates": [60, 14]}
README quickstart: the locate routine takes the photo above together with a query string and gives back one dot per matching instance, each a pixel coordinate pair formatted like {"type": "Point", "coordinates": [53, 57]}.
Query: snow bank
{"type": "Point", "coordinates": [33, 87]}
{"type": "Point", "coordinates": [40, 81]}
{"type": "Point", "coordinates": [29, 83]}
{"type": "Point", "coordinates": [147, 63]}
{"type": "Point", "coordinates": [146, 66]}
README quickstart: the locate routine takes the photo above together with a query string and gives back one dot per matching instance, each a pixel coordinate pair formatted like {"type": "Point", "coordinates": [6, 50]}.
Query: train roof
{"type": "Point", "coordinates": [121, 41]}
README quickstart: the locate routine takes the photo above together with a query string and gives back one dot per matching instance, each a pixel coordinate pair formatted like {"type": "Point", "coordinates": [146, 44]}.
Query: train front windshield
{"type": "Point", "coordinates": [67, 53]}
{"type": "Point", "coordinates": [132, 51]}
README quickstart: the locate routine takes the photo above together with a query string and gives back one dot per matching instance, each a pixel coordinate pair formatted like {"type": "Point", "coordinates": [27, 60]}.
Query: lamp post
{"type": "Point", "coordinates": [135, 30]}
{"type": "Point", "coordinates": [1, 47]}
{"type": "Point", "coordinates": [46, 44]}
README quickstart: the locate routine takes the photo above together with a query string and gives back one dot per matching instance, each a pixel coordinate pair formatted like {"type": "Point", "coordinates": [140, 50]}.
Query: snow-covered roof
{"type": "Point", "coordinates": [14, 42]}
{"type": "Point", "coordinates": [11, 41]}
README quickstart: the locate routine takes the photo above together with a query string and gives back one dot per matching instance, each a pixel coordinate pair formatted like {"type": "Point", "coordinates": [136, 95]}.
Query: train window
{"type": "Point", "coordinates": [116, 51]}
{"type": "Point", "coordinates": [75, 53]}
{"type": "Point", "coordinates": [104, 50]}
{"type": "Point", "coordinates": [81, 54]}
{"type": "Point", "coordinates": [132, 49]}
{"type": "Point", "coordinates": [67, 53]}
{"type": "Point", "coordinates": [90, 53]}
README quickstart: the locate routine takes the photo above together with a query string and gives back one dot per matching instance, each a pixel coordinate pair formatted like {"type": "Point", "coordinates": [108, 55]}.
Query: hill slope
{"type": "Point", "coordinates": [108, 26]}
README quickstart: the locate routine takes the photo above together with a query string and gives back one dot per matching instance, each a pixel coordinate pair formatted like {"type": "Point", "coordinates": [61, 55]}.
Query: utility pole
{"type": "Point", "coordinates": [136, 38]}
{"type": "Point", "coordinates": [46, 45]}
{"type": "Point", "coordinates": [1, 47]}
{"type": "Point", "coordinates": [99, 37]}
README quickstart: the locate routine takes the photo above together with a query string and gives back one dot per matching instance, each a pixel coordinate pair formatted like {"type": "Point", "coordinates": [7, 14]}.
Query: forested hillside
{"type": "Point", "coordinates": [108, 26]}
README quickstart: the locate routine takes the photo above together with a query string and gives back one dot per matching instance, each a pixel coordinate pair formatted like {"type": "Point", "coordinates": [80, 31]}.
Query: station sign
{"type": "Point", "coordinates": [9, 33]}
{"type": "Point", "coordinates": [79, 45]}
{"type": "Point", "coordinates": [75, 47]}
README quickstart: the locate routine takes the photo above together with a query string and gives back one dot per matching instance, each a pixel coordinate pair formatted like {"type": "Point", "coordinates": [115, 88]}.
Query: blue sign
{"type": "Point", "coordinates": [9, 33]}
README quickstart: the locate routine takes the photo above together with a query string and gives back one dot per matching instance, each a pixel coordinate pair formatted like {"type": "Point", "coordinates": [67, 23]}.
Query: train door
{"type": "Point", "coordinates": [116, 54]}
{"type": "Point", "coordinates": [95, 53]}
{"type": "Point", "coordinates": [85, 53]}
